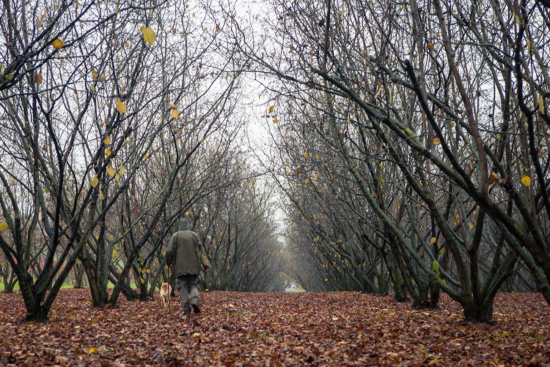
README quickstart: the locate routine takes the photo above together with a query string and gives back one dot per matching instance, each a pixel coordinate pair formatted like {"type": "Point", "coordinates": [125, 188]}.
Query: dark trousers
{"type": "Point", "coordinates": [188, 286]}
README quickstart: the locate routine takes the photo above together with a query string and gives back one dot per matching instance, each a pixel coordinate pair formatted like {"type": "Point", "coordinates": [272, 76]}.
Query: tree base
{"type": "Point", "coordinates": [39, 317]}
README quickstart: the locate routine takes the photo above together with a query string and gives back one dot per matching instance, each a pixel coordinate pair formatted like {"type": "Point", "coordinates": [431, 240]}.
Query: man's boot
{"type": "Point", "coordinates": [186, 310]}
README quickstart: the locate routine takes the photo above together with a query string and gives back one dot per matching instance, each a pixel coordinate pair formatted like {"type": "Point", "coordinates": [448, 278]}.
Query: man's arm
{"type": "Point", "coordinates": [204, 258]}
{"type": "Point", "coordinates": [170, 251]}
{"type": "Point", "coordinates": [202, 254]}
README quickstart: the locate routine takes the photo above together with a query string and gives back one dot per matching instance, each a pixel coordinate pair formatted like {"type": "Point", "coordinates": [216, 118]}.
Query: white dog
{"type": "Point", "coordinates": [165, 291]}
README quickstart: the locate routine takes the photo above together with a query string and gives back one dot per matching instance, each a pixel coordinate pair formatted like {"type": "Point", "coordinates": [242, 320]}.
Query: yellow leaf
{"type": "Point", "coordinates": [275, 121]}
{"type": "Point", "coordinates": [38, 79]}
{"type": "Point", "coordinates": [102, 195]}
{"type": "Point", "coordinates": [186, 213]}
{"type": "Point", "coordinates": [526, 180]}
{"type": "Point", "coordinates": [315, 178]}
{"type": "Point", "coordinates": [305, 154]}
{"type": "Point", "coordinates": [171, 105]}
{"type": "Point", "coordinates": [142, 281]}
{"type": "Point", "coordinates": [541, 103]}
{"type": "Point", "coordinates": [93, 350]}
{"type": "Point", "coordinates": [307, 180]}
{"type": "Point", "coordinates": [111, 171]}
{"type": "Point", "coordinates": [145, 156]}
{"type": "Point", "coordinates": [95, 181]}
{"type": "Point", "coordinates": [58, 44]}
{"type": "Point", "coordinates": [94, 74]}
{"type": "Point", "coordinates": [217, 28]}
{"type": "Point", "coordinates": [107, 153]}
{"type": "Point", "coordinates": [432, 241]}
{"type": "Point", "coordinates": [117, 178]}
{"type": "Point", "coordinates": [175, 114]}
{"type": "Point", "coordinates": [271, 109]}
{"type": "Point", "coordinates": [120, 106]}
{"type": "Point", "coordinates": [121, 170]}
{"type": "Point", "coordinates": [149, 36]}
{"type": "Point", "coordinates": [493, 176]}
{"type": "Point", "coordinates": [378, 91]}
{"type": "Point", "coordinates": [437, 141]}
{"type": "Point", "coordinates": [107, 140]}
{"type": "Point", "coordinates": [3, 226]}
{"type": "Point", "coordinates": [430, 45]}
{"type": "Point", "coordinates": [93, 88]}
{"type": "Point", "coordinates": [102, 77]}
{"type": "Point", "coordinates": [470, 225]}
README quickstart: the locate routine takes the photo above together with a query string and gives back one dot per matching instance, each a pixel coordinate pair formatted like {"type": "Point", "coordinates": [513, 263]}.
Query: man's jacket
{"type": "Point", "coordinates": [184, 251]}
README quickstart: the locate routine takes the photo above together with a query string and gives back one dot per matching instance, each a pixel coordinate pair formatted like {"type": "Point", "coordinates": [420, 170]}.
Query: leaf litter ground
{"type": "Point", "coordinates": [234, 329]}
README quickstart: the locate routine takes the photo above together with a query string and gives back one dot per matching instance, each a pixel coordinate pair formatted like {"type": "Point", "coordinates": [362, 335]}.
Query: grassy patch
{"type": "Point", "coordinates": [111, 286]}
{"type": "Point", "coordinates": [16, 288]}
{"type": "Point", "coordinates": [2, 287]}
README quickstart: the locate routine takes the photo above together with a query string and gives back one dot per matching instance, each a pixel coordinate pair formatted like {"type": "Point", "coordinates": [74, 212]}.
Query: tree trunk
{"type": "Point", "coordinates": [434, 295]}
{"type": "Point", "coordinates": [98, 299]}
{"type": "Point", "coordinates": [399, 287]}
{"type": "Point", "coordinates": [9, 281]}
{"type": "Point", "coordinates": [78, 276]}
{"type": "Point", "coordinates": [479, 313]}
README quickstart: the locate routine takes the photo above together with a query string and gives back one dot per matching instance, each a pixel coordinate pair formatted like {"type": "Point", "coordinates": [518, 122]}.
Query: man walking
{"type": "Point", "coordinates": [185, 255]}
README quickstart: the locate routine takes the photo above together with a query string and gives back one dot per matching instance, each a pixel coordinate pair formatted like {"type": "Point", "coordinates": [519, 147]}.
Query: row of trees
{"type": "Point", "coordinates": [118, 118]}
{"type": "Point", "coordinates": [409, 139]}
{"type": "Point", "coordinates": [412, 142]}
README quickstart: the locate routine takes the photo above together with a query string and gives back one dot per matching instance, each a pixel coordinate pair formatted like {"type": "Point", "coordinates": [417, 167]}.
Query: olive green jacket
{"type": "Point", "coordinates": [185, 252]}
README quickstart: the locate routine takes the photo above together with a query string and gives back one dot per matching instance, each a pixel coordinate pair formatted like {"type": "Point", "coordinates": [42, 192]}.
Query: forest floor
{"type": "Point", "coordinates": [329, 329]}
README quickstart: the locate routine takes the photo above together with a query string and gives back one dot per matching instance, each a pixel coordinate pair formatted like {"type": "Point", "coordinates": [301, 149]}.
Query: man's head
{"type": "Point", "coordinates": [184, 225]}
